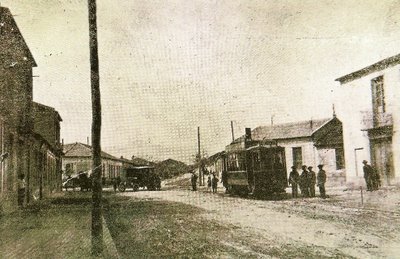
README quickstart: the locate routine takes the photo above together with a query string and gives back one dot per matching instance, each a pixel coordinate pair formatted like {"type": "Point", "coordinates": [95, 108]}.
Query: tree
{"type": "Point", "coordinates": [97, 226]}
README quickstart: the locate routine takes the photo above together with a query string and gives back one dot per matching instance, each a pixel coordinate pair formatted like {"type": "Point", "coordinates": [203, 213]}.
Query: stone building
{"type": "Point", "coordinates": [23, 151]}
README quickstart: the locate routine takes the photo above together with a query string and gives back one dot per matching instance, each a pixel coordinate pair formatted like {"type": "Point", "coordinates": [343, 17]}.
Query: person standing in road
{"type": "Point", "coordinates": [321, 179]}
{"type": "Point", "coordinates": [368, 175]}
{"type": "Point", "coordinates": [209, 183]}
{"type": "Point", "coordinates": [224, 180]}
{"type": "Point", "coordinates": [312, 181]}
{"type": "Point", "coordinates": [294, 178]}
{"type": "Point", "coordinates": [214, 183]}
{"type": "Point", "coordinates": [304, 182]}
{"type": "Point", "coordinates": [114, 182]}
{"type": "Point", "coordinates": [194, 181]}
{"type": "Point", "coordinates": [21, 190]}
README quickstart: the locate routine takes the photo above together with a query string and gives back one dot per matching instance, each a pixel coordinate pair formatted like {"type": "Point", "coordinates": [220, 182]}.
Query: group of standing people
{"type": "Point", "coordinates": [307, 180]}
{"type": "Point", "coordinates": [371, 176]}
{"type": "Point", "coordinates": [212, 183]}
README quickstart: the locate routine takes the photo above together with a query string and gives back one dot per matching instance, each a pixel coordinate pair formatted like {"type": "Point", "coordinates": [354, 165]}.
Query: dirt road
{"type": "Point", "coordinates": [322, 226]}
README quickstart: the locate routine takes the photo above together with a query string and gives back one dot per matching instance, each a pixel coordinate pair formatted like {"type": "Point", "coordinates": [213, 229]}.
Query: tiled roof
{"type": "Point", "coordinates": [82, 150]}
{"type": "Point", "coordinates": [140, 161]}
{"type": "Point", "coordinates": [287, 130]}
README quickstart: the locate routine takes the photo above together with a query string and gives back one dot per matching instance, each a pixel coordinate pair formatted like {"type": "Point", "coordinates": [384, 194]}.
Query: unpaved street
{"type": "Point", "coordinates": [326, 227]}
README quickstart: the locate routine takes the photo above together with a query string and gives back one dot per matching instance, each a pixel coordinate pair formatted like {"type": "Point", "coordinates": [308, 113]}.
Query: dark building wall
{"type": "Point", "coordinates": [29, 154]}
{"type": "Point", "coordinates": [47, 124]}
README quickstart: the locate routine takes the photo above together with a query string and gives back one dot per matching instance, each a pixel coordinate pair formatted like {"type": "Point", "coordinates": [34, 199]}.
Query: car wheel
{"type": "Point", "coordinates": [135, 187]}
{"type": "Point", "coordinates": [121, 187]}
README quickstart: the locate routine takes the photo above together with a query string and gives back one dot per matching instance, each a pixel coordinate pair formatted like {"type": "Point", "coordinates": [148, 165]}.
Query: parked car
{"type": "Point", "coordinates": [80, 180]}
{"type": "Point", "coordinates": [71, 182]}
{"type": "Point", "coordinates": [139, 177]}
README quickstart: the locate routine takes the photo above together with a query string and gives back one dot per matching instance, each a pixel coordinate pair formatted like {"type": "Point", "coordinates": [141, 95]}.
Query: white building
{"type": "Point", "coordinates": [78, 158]}
{"type": "Point", "coordinates": [367, 101]}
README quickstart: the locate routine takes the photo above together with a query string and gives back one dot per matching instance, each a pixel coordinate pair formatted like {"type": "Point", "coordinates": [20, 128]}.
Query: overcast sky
{"type": "Point", "coordinates": [170, 66]}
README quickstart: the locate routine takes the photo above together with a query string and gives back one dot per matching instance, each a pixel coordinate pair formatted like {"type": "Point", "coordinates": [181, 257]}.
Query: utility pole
{"type": "Point", "coordinates": [233, 135]}
{"type": "Point", "coordinates": [97, 224]}
{"type": "Point", "coordinates": [198, 145]}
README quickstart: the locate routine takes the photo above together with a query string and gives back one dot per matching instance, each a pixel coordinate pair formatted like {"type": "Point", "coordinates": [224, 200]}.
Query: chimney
{"type": "Point", "coordinates": [334, 111]}
{"type": "Point", "coordinates": [247, 134]}
{"type": "Point", "coordinates": [311, 124]}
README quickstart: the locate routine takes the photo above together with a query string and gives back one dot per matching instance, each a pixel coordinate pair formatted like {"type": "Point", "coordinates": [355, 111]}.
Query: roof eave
{"type": "Point", "coordinates": [378, 66]}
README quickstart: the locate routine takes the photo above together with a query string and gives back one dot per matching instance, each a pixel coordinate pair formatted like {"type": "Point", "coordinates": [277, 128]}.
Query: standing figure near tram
{"type": "Point", "coordinates": [209, 183]}
{"type": "Point", "coordinates": [194, 181]}
{"type": "Point", "coordinates": [224, 180]}
{"type": "Point", "coordinates": [368, 175]}
{"type": "Point", "coordinates": [312, 181]}
{"type": "Point", "coordinates": [294, 178]}
{"type": "Point", "coordinates": [304, 182]}
{"type": "Point", "coordinates": [321, 180]}
{"type": "Point", "coordinates": [214, 183]}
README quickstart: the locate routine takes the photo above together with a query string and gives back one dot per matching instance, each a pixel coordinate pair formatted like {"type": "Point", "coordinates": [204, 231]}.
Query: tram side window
{"type": "Point", "coordinates": [236, 162]}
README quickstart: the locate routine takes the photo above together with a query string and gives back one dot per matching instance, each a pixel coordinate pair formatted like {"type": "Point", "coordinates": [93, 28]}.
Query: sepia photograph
{"type": "Point", "coordinates": [199, 129]}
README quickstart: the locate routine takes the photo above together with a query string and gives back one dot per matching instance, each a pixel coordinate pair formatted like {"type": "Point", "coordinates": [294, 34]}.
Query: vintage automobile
{"type": "Point", "coordinates": [139, 177]}
{"type": "Point", "coordinates": [80, 180]}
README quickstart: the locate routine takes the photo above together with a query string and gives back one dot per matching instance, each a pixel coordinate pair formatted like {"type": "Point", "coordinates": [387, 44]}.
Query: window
{"type": "Point", "coordinates": [297, 157]}
{"type": "Point", "coordinates": [339, 153]}
{"type": "Point", "coordinates": [237, 162]}
{"type": "Point", "coordinates": [378, 95]}
{"type": "Point", "coordinates": [69, 168]}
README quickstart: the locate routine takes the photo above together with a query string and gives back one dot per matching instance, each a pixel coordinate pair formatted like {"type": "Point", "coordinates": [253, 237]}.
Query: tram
{"type": "Point", "coordinates": [259, 169]}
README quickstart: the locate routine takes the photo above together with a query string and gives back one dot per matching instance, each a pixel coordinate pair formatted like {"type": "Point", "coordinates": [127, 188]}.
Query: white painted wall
{"type": "Point", "coordinates": [353, 103]}
{"type": "Point", "coordinates": [309, 155]}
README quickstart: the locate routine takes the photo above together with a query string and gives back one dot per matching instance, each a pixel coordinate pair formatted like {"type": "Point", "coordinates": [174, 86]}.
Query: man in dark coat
{"type": "Point", "coordinates": [368, 175]}
{"type": "Point", "coordinates": [224, 180]}
{"type": "Point", "coordinates": [294, 178]}
{"type": "Point", "coordinates": [214, 183]}
{"type": "Point", "coordinates": [312, 181]}
{"type": "Point", "coordinates": [321, 180]}
{"type": "Point", "coordinates": [304, 182]}
{"type": "Point", "coordinates": [194, 181]}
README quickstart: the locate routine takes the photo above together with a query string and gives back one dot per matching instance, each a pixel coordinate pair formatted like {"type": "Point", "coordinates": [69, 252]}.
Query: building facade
{"type": "Point", "coordinates": [77, 158]}
{"type": "Point", "coordinates": [24, 152]}
{"type": "Point", "coordinates": [367, 101]}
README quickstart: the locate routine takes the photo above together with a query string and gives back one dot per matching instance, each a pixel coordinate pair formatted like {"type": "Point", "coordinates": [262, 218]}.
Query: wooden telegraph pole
{"type": "Point", "coordinates": [198, 145]}
{"type": "Point", "coordinates": [233, 136]}
{"type": "Point", "coordinates": [97, 224]}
